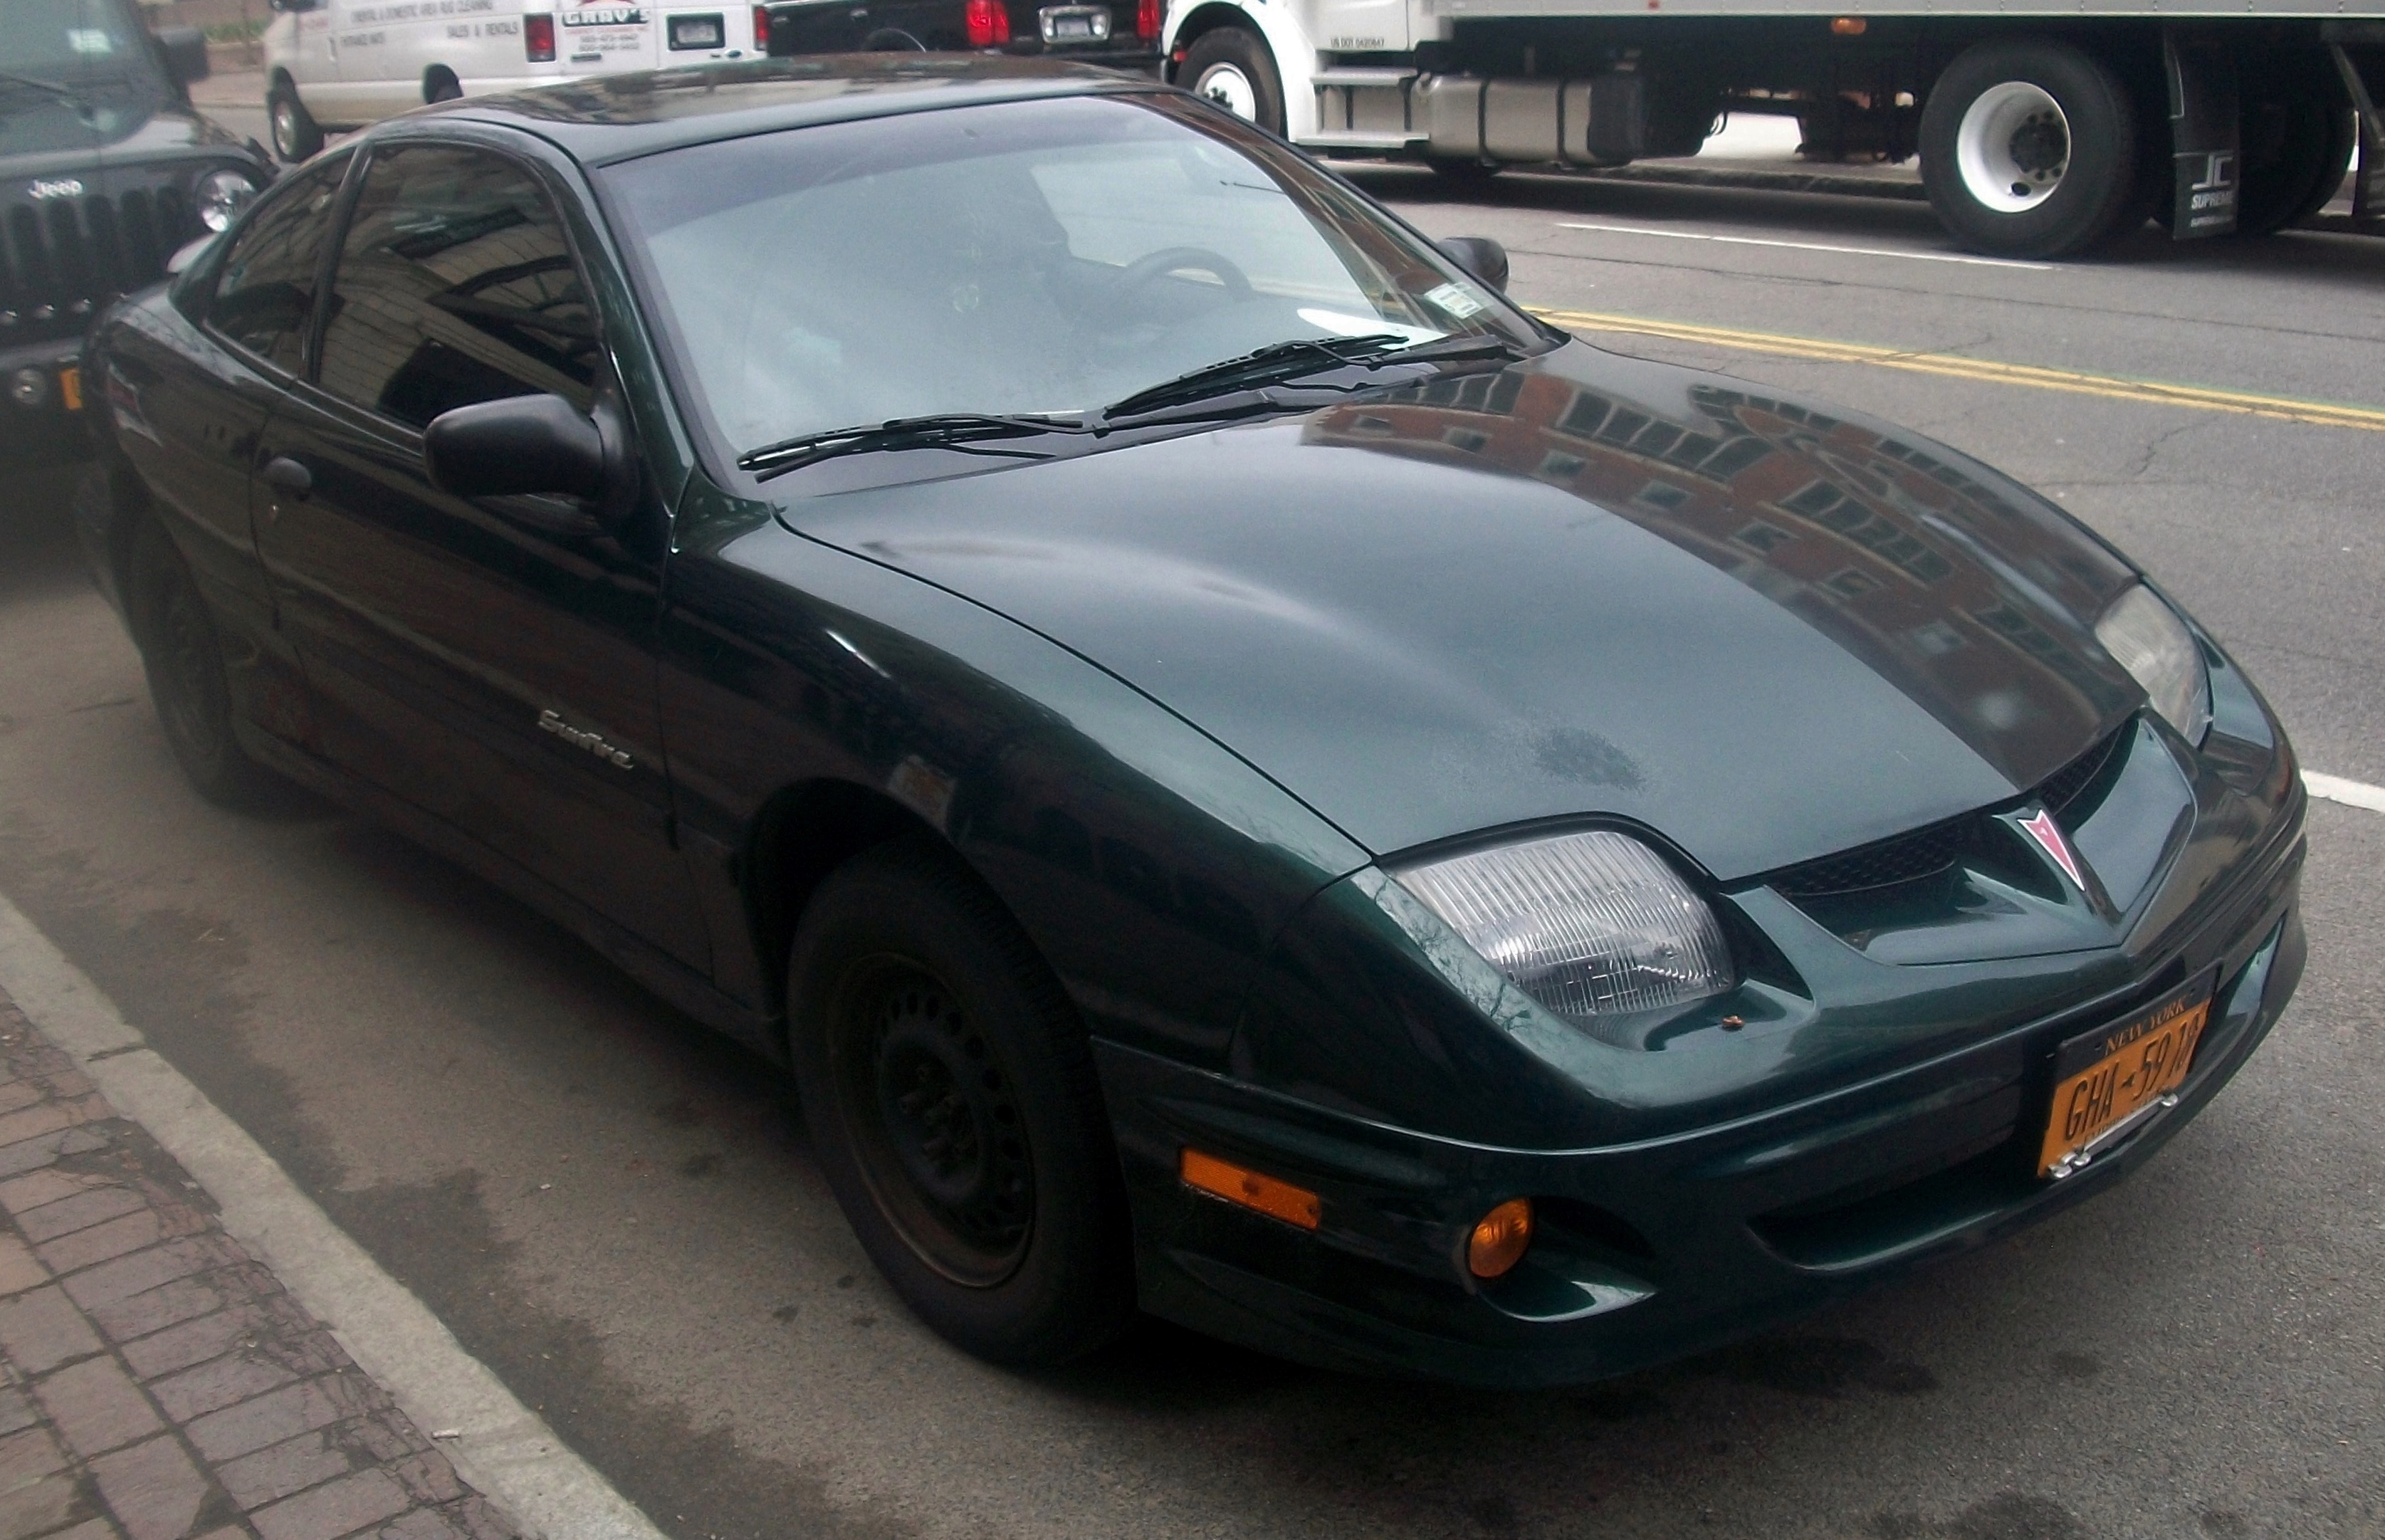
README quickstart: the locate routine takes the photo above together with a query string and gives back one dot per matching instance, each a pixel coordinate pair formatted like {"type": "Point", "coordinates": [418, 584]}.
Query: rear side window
{"type": "Point", "coordinates": [266, 292]}
{"type": "Point", "coordinates": [455, 285]}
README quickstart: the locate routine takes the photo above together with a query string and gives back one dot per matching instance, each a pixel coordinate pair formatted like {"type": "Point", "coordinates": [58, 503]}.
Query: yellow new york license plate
{"type": "Point", "coordinates": [2106, 1080]}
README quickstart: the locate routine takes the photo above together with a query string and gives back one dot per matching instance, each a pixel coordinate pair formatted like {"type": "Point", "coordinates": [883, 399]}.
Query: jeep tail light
{"type": "Point", "coordinates": [761, 29]}
{"type": "Point", "coordinates": [1146, 18]}
{"type": "Point", "coordinates": [989, 23]}
{"type": "Point", "coordinates": [538, 39]}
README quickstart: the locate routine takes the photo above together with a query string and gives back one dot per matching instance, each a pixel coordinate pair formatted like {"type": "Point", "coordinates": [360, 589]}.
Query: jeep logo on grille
{"type": "Point", "coordinates": [57, 187]}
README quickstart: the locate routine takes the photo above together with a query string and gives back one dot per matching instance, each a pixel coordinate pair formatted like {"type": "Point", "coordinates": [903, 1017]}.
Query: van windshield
{"type": "Point", "coordinates": [1052, 257]}
{"type": "Point", "coordinates": [68, 43]}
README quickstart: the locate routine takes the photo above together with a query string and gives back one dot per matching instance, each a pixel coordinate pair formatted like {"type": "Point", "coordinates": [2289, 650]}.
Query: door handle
{"type": "Point", "coordinates": [289, 477]}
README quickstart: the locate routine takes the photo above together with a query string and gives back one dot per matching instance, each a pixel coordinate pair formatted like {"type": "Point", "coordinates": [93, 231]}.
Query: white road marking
{"type": "Point", "coordinates": [1813, 246]}
{"type": "Point", "coordinates": [2352, 793]}
{"type": "Point", "coordinates": [502, 1448]}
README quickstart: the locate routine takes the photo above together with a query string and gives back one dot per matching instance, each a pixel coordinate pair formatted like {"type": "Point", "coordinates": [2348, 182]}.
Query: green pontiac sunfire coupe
{"type": "Point", "coordinates": [1244, 776]}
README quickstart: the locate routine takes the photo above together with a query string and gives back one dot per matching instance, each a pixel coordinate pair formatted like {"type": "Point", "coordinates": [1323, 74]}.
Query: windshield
{"type": "Point", "coordinates": [69, 42]}
{"type": "Point", "coordinates": [1023, 257]}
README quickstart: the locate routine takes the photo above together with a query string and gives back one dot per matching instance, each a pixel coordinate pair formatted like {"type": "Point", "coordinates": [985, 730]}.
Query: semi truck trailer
{"type": "Point", "coordinates": [2043, 127]}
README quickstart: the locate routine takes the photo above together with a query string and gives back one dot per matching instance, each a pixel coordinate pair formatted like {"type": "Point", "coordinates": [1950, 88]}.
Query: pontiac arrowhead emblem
{"type": "Point", "coordinates": [2048, 835]}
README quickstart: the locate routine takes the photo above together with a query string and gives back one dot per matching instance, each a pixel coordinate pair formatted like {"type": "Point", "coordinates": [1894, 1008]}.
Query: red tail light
{"type": "Point", "coordinates": [1146, 18]}
{"type": "Point", "coordinates": [761, 29]}
{"type": "Point", "coordinates": [989, 23]}
{"type": "Point", "coordinates": [538, 39]}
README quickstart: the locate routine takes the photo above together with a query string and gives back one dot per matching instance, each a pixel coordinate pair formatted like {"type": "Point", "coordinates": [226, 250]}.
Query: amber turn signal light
{"type": "Point", "coordinates": [1849, 26]}
{"type": "Point", "coordinates": [1249, 1189]}
{"type": "Point", "coordinates": [1501, 1239]}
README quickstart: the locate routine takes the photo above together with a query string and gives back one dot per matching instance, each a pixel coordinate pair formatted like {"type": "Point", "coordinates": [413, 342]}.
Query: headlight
{"type": "Point", "coordinates": [220, 196]}
{"type": "Point", "coordinates": [2146, 637]}
{"type": "Point", "coordinates": [1590, 925]}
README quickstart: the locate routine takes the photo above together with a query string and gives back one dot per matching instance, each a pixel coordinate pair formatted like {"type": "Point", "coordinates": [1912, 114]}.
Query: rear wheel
{"type": "Point", "coordinates": [295, 134]}
{"type": "Point", "coordinates": [2296, 142]}
{"type": "Point", "coordinates": [183, 654]}
{"type": "Point", "coordinates": [950, 1093]}
{"type": "Point", "coordinates": [441, 85]}
{"type": "Point", "coordinates": [1233, 68]}
{"type": "Point", "coordinates": [2029, 148]}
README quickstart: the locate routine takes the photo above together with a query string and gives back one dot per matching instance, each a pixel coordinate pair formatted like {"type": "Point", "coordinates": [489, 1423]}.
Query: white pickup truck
{"type": "Point", "coordinates": [2042, 126]}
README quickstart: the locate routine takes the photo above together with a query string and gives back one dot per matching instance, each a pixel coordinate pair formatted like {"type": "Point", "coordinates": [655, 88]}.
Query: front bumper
{"type": "Point", "coordinates": [1657, 1247]}
{"type": "Point", "coordinates": [50, 429]}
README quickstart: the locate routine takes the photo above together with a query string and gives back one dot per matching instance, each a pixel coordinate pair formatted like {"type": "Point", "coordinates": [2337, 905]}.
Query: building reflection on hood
{"type": "Point", "coordinates": [1898, 552]}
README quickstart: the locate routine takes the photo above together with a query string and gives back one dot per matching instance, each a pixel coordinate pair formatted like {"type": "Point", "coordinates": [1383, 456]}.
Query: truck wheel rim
{"type": "Point", "coordinates": [1229, 88]}
{"type": "Point", "coordinates": [2012, 146]}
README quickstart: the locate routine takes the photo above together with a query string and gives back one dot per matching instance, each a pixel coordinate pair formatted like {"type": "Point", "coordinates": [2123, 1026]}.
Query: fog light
{"type": "Point", "coordinates": [1501, 1239]}
{"type": "Point", "coordinates": [30, 388]}
{"type": "Point", "coordinates": [1249, 1189]}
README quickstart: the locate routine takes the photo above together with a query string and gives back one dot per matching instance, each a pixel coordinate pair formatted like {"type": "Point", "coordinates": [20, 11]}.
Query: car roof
{"type": "Point", "coordinates": [609, 118]}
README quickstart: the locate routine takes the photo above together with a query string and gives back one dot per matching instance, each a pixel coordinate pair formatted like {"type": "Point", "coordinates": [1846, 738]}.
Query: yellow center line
{"type": "Point", "coordinates": [2286, 408]}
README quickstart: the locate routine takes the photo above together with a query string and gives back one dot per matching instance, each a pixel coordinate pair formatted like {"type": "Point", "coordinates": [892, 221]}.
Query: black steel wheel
{"type": "Point", "coordinates": [950, 1093]}
{"type": "Point", "coordinates": [2029, 148]}
{"type": "Point", "coordinates": [294, 129]}
{"type": "Point", "coordinates": [1233, 67]}
{"type": "Point", "coordinates": [183, 658]}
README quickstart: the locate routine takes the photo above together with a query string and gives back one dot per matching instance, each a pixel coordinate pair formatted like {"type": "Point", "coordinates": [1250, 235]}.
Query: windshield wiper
{"type": "Point", "coordinates": [1281, 362]}
{"type": "Point", "coordinates": [945, 431]}
{"type": "Point", "coordinates": [9, 76]}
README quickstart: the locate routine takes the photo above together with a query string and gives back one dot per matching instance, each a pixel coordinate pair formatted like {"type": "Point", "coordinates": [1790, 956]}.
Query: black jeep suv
{"type": "Point", "coordinates": [105, 173]}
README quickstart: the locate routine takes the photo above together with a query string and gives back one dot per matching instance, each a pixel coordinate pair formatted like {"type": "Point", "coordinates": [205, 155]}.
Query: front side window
{"type": "Point", "coordinates": [1040, 257]}
{"type": "Point", "coordinates": [264, 294]}
{"type": "Point", "coordinates": [455, 285]}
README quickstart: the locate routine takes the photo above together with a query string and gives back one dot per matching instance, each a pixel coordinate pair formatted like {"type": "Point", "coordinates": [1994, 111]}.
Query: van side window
{"type": "Point", "coordinates": [265, 295]}
{"type": "Point", "coordinates": [455, 285]}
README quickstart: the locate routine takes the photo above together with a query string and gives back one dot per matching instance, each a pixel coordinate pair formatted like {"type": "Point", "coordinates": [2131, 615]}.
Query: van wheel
{"type": "Point", "coordinates": [441, 85]}
{"type": "Point", "coordinates": [2029, 148]}
{"type": "Point", "coordinates": [295, 134]}
{"type": "Point", "coordinates": [1232, 67]}
{"type": "Point", "coordinates": [182, 655]}
{"type": "Point", "coordinates": [949, 1090]}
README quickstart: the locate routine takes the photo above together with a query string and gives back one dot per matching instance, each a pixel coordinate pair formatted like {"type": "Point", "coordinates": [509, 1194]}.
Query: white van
{"type": "Point", "coordinates": [341, 64]}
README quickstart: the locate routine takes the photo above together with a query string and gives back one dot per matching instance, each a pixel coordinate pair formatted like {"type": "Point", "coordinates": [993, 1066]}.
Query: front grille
{"type": "Point", "coordinates": [2073, 780]}
{"type": "Point", "coordinates": [62, 258]}
{"type": "Point", "coordinates": [1923, 853]}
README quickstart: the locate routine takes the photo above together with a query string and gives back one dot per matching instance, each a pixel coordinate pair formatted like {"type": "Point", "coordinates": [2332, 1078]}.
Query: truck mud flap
{"type": "Point", "coordinates": [2204, 129]}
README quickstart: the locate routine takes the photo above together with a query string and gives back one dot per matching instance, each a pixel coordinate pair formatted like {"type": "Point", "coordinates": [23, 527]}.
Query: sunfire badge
{"type": "Point", "coordinates": [2048, 835]}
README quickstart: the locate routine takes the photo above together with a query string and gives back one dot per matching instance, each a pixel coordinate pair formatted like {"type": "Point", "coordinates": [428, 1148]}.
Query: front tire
{"type": "Point", "coordinates": [949, 1089]}
{"type": "Point", "coordinates": [296, 135]}
{"type": "Point", "coordinates": [1234, 68]}
{"type": "Point", "coordinates": [2030, 149]}
{"type": "Point", "coordinates": [183, 654]}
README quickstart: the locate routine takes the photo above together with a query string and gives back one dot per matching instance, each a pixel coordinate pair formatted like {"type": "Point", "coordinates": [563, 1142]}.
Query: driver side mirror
{"type": "Point", "coordinates": [518, 446]}
{"type": "Point", "coordinates": [186, 52]}
{"type": "Point", "coordinates": [1480, 256]}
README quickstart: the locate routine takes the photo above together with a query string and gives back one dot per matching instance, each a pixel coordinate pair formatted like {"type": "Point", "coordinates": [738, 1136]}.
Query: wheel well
{"type": "Point", "coordinates": [436, 76]}
{"type": "Point", "coordinates": [1208, 19]}
{"type": "Point", "coordinates": [127, 503]}
{"type": "Point", "coordinates": [279, 78]}
{"type": "Point", "coordinates": [805, 833]}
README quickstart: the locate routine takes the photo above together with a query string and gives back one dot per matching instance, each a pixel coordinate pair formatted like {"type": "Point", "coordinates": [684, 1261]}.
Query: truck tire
{"type": "Point", "coordinates": [1234, 68]}
{"type": "Point", "coordinates": [2029, 148]}
{"type": "Point", "coordinates": [295, 134]}
{"type": "Point", "coordinates": [2296, 142]}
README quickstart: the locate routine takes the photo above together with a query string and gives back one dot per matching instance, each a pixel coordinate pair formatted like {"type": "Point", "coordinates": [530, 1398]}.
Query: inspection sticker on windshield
{"type": "Point", "coordinates": [1451, 299]}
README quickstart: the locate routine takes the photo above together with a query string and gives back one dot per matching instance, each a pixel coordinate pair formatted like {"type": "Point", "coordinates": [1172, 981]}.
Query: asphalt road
{"type": "Point", "coordinates": [621, 1216]}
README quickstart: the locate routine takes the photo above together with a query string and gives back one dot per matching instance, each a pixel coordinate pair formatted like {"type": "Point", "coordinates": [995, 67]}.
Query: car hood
{"type": "Point", "coordinates": [120, 124]}
{"type": "Point", "coordinates": [1585, 585]}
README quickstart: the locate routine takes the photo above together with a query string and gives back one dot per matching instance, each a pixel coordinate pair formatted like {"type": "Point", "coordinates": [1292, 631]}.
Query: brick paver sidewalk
{"type": "Point", "coordinates": [160, 1384]}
